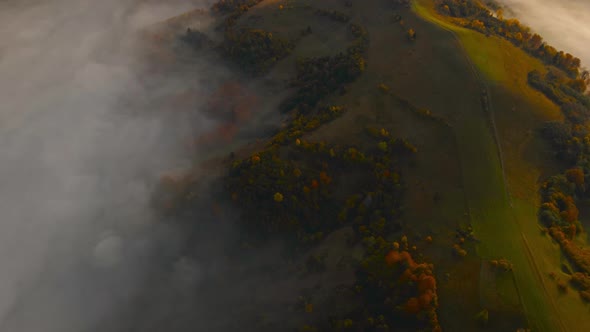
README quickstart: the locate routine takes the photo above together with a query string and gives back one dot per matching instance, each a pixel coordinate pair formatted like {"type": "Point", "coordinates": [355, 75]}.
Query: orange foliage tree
{"type": "Point", "coordinates": [394, 274]}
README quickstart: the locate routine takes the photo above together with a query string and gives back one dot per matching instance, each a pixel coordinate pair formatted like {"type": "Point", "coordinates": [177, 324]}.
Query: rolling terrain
{"type": "Point", "coordinates": [480, 154]}
{"type": "Point", "coordinates": [284, 165]}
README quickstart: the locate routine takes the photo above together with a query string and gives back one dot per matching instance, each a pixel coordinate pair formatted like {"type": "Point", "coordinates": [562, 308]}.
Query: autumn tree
{"type": "Point", "coordinates": [535, 42]}
{"type": "Point", "coordinates": [570, 213]}
{"type": "Point", "coordinates": [579, 84]}
{"type": "Point", "coordinates": [478, 25]}
{"type": "Point", "coordinates": [518, 38]}
{"type": "Point", "coordinates": [549, 53]}
{"type": "Point", "coordinates": [576, 113]}
{"type": "Point", "coordinates": [446, 10]}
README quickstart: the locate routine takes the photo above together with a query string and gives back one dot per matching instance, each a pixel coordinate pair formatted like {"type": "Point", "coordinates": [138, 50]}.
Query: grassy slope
{"type": "Point", "coordinates": [490, 211]}
{"type": "Point", "coordinates": [519, 110]}
{"type": "Point", "coordinates": [407, 68]}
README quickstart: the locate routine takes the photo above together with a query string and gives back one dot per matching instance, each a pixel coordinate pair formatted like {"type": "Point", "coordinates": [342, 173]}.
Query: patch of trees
{"type": "Point", "coordinates": [561, 90]}
{"type": "Point", "coordinates": [559, 193]}
{"type": "Point", "coordinates": [393, 292]}
{"type": "Point", "coordinates": [234, 9]}
{"type": "Point", "coordinates": [581, 281]}
{"type": "Point", "coordinates": [581, 259]}
{"type": "Point", "coordinates": [399, 292]}
{"type": "Point", "coordinates": [493, 5]}
{"type": "Point", "coordinates": [292, 190]}
{"type": "Point", "coordinates": [255, 50]}
{"type": "Point", "coordinates": [575, 112]}
{"type": "Point", "coordinates": [570, 140]}
{"type": "Point", "coordinates": [461, 8]}
{"type": "Point", "coordinates": [318, 77]}
{"type": "Point", "coordinates": [559, 208]}
{"type": "Point", "coordinates": [278, 195]}
{"type": "Point", "coordinates": [477, 16]}
{"type": "Point", "coordinates": [233, 6]}
{"type": "Point", "coordinates": [301, 124]}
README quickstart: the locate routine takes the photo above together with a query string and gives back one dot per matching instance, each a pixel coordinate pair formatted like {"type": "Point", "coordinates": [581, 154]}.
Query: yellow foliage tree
{"type": "Point", "coordinates": [478, 25]}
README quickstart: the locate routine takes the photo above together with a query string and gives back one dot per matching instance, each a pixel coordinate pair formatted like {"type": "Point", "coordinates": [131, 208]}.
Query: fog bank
{"type": "Point", "coordinates": [79, 159]}
{"type": "Point", "coordinates": [564, 24]}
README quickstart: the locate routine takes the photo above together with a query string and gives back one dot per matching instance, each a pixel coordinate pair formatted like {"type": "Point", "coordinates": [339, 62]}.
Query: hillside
{"type": "Point", "coordinates": [521, 110]}
{"type": "Point", "coordinates": [401, 176]}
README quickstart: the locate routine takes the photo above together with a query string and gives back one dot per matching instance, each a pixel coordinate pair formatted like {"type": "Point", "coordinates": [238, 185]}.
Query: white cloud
{"type": "Point", "coordinates": [565, 24]}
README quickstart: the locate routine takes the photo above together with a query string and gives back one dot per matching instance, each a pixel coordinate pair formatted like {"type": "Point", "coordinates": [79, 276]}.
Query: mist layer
{"type": "Point", "coordinates": [563, 24]}
{"type": "Point", "coordinates": [82, 145]}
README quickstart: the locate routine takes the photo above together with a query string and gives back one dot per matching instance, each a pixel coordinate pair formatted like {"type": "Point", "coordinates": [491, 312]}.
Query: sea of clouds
{"type": "Point", "coordinates": [565, 24]}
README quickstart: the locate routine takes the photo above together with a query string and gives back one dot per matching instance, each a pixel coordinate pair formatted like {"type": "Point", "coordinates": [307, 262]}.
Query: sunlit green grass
{"type": "Point", "coordinates": [501, 228]}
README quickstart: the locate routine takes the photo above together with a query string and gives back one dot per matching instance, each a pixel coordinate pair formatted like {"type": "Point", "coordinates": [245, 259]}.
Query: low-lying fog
{"type": "Point", "coordinates": [79, 158]}
{"type": "Point", "coordinates": [565, 24]}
